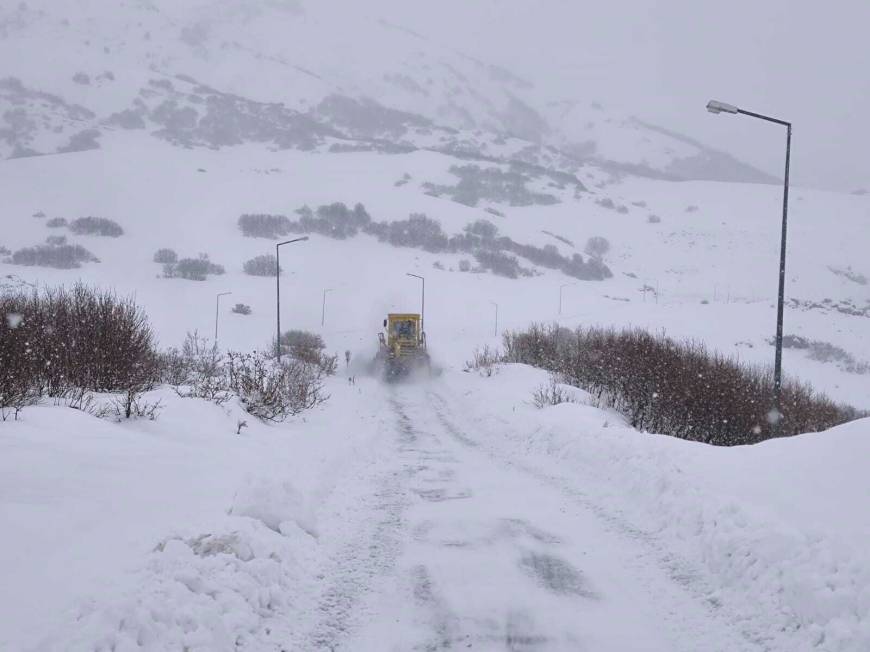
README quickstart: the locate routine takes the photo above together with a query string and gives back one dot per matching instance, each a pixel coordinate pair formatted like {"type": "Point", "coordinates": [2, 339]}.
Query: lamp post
{"type": "Point", "coordinates": [495, 330]}
{"type": "Point", "coordinates": [217, 309]}
{"type": "Point", "coordinates": [278, 290]}
{"type": "Point", "coordinates": [562, 287]}
{"type": "Point", "coordinates": [714, 106]}
{"type": "Point", "coordinates": [422, 301]}
{"type": "Point", "coordinates": [323, 308]}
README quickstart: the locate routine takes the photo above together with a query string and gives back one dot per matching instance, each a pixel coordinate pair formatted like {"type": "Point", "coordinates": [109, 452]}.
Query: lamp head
{"type": "Point", "coordinates": [715, 106]}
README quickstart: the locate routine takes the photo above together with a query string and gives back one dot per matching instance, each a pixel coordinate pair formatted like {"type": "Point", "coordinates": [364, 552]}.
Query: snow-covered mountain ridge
{"type": "Point", "coordinates": [294, 75]}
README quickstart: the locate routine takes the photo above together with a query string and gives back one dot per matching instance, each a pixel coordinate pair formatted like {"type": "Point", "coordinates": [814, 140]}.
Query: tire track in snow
{"type": "Point", "coordinates": [680, 572]}
{"type": "Point", "coordinates": [370, 555]}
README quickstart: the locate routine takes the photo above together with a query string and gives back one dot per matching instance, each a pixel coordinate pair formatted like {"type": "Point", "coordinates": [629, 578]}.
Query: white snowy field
{"type": "Point", "coordinates": [709, 273]}
{"type": "Point", "coordinates": [444, 513]}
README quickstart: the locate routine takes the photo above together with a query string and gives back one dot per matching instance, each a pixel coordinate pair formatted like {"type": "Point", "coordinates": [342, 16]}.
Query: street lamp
{"type": "Point", "coordinates": [278, 290]}
{"type": "Point", "coordinates": [495, 330]}
{"type": "Point", "coordinates": [562, 287]}
{"type": "Point", "coordinates": [217, 309]}
{"type": "Point", "coordinates": [714, 106]}
{"type": "Point", "coordinates": [422, 301]}
{"type": "Point", "coordinates": [323, 309]}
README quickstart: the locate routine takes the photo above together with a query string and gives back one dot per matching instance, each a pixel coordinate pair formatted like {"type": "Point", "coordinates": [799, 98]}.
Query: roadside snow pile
{"type": "Point", "coordinates": [785, 521]}
{"type": "Point", "coordinates": [277, 505]}
{"type": "Point", "coordinates": [206, 593]}
{"type": "Point", "coordinates": [171, 534]}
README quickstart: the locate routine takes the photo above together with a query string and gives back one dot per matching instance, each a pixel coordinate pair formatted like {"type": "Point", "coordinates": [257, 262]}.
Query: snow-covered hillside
{"type": "Point", "coordinates": [78, 71]}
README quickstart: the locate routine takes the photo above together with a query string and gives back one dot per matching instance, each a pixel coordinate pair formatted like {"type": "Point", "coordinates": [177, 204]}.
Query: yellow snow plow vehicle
{"type": "Point", "coordinates": [402, 348]}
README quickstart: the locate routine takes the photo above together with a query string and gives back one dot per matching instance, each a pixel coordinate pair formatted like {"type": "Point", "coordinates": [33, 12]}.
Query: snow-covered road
{"type": "Point", "coordinates": [461, 547]}
{"type": "Point", "coordinates": [445, 514]}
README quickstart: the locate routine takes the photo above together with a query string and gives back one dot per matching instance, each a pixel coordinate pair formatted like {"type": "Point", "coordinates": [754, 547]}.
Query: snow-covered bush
{"type": "Point", "coordinates": [58, 256]}
{"type": "Point", "coordinates": [267, 389]}
{"type": "Point", "coordinates": [273, 391]}
{"type": "Point", "coordinates": [96, 226]}
{"type": "Point", "coordinates": [193, 269]}
{"type": "Point", "coordinates": [264, 265]}
{"type": "Point", "coordinates": [242, 309]}
{"type": "Point", "coordinates": [264, 226]}
{"type": "Point", "coordinates": [673, 388]}
{"type": "Point", "coordinates": [597, 247]}
{"type": "Point", "coordinates": [490, 184]}
{"type": "Point", "coordinates": [55, 240]}
{"type": "Point", "coordinates": [484, 361]}
{"type": "Point", "coordinates": [500, 263]}
{"type": "Point", "coordinates": [552, 393]}
{"type": "Point", "coordinates": [307, 347]}
{"type": "Point", "coordinates": [653, 219]}
{"type": "Point", "coordinates": [165, 256]}
{"type": "Point", "coordinates": [56, 223]}
{"type": "Point", "coordinates": [333, 220]}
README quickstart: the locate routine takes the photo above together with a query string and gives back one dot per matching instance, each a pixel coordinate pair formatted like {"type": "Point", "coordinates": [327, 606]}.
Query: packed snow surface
{"type": "Point", "coordinates": [444, 513]}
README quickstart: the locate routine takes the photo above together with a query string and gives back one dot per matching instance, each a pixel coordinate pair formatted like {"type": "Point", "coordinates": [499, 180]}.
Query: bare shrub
{"type": "Point", "coordinates": [131, 405]}
{"type": "Point", "coordinates": [680, 389]}
{"type": "Point", "coordinates": [273, 391]}
{"type": "Point", "coordinates": [165, 256]}
{"type": "Point", "coordinates": [484, 361]}
{"type": "Point", "coordinates": [55, 240]}
{"type": "Point", "coordinates": [57, 256]}
{"type": "Point", "coordinates": [39, 214]}
{"type": "Point", "coordinates": [56, 223]}
{"type": "Point", "coordinates": [4, 251]}
{"type": "Point", "coordinates": [464, 265]}
{"type": "Point", "coordinates": [653, 219]}
{"type": "Point", "coordinates": [96, 226]}
{"type": "Point", "coordinates": [264, 265]}
{"type": "Point", "coordinates": [197, 370]}
{"type": "Point", "coordinates": [242, 309]}
{"type": "Point", "coordinates": [553, 393]}
{"type": "Point", "coordinates": [77, 338]}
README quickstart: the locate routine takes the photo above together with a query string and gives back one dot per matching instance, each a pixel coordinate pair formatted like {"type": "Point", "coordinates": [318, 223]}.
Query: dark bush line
{"type": "Point", "coordinates": [78, 337]}
{"type": "Point", "coordinates": [57, 256]}
{"type": "Point", "coordinates": [96, 226]}
{"type": "Point", "coordinates": [678, 389]}
{"type": "Point", "coordinates": [419, 231]}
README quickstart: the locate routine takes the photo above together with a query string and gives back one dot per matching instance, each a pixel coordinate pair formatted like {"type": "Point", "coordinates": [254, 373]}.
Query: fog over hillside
{"type": "Point", "coordinates": [332, 67]}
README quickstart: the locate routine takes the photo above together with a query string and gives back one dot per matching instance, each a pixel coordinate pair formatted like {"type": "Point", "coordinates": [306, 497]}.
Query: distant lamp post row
{"type": "Point", "coordinates": [714, 106]}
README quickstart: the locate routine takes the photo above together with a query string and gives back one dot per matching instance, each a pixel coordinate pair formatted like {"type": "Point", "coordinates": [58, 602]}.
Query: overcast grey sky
{"type": "Point", "coordinates": [806, 61]}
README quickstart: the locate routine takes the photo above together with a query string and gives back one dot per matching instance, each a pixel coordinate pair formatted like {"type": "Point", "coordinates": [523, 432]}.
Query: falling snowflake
{"type": "Point", "coordinates": [14, 320]}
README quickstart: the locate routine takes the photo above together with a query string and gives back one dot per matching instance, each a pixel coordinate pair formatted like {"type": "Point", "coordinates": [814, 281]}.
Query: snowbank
{"type": "Point", "coordinates": [169, 534]}
{"type": "Point", "coordinates": [785, 521]}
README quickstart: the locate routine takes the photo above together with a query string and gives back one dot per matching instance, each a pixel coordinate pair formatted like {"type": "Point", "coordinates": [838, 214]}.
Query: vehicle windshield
{"type": "Point", "coordinates": [405, 329]}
